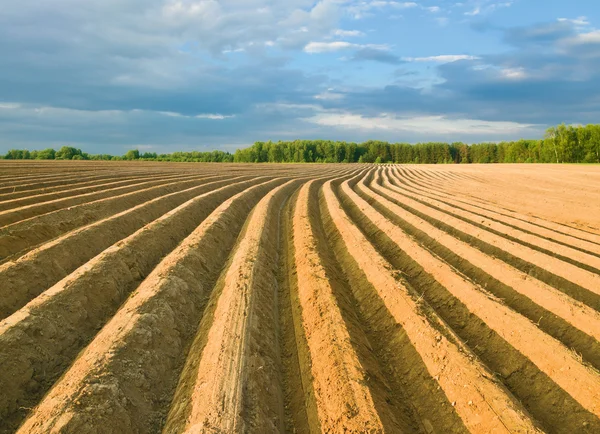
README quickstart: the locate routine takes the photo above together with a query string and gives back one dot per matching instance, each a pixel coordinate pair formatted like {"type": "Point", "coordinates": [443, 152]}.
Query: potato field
{"type": "Point", "coordinates": [217, 298]}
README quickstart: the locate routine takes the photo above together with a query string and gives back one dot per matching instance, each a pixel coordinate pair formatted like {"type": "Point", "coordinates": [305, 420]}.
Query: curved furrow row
{"type": "Point", "coordinates": [28, 211]}
{"type": "Point", "coordinates": [125, 379]}
{"type": "Point", "coordinates": [231, 381]}
{"type": "Point", "coordinates": [481, 404]}
{"type": "Point", "coordinates": [341, 397]}
{"type": "Point", "coordinates": [574, 323]}
{"type": "Point", "coordinates": [584, 278]}
{"type": "Point", "coordinates": [535, 367]}
{"type": "Point", "coordinates": [22, 236]}
{"type": "Point", "coordinates": [578, 257]}
{"type": "Point", "coordinates": [60, 188]}
{"type": "Point", "coordinates": [87, 188]}
{"type": "Point", "coordinates": [29, 275]}
{"type": "Point", "coordinates": [17, 186]}
{"type": "Point", "coordinates": [40, 340]}
{"type": "Point", "coordinates": [445, 195]}
{"type": "Point", "coordinates": [433, 191]}
{"type": "Point", "coordinates": [479, 202]}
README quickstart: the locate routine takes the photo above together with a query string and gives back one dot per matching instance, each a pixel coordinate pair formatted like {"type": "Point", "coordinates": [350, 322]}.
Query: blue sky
{"type": "Point", "coordinates": [166, 75]}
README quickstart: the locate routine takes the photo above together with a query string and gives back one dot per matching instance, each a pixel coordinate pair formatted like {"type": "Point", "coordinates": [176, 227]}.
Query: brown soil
{"type": "Point", "coordinates": [144, 297]}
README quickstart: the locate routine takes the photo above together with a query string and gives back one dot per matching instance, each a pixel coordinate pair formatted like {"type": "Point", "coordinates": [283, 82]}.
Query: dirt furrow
{"type": "Point", "coordinates": [25, 278]}
{"type": "Point", "coordinates": [482, 405]}
{"type": "Point", "coordinates": [584, 278]}
{"type": "Point", "coordinates": [28, 211]}
{"type": "Point", "coordinates": [126, 378]}
{"type": "Point", "coordinates": [580, 258]}
{"type": "Point", "coordinates": [498, 208]}
{"type": "Point", "coordinates": [536, 368]}
{"type": "Point", "coordinates": [18, 238]}
{"type": "Point", "coordinates": [343, 401]}
{"type": "Point", "coordinates": [300, 410]}
{"type": "Point", "coordinates": [433, 191]}
{"type": "Point", "coordinates": [573, 290]}
{"type": "Point", "coordinates": [61, 180]}
{"type": "Point", "coordinates": [571, 322]}
{"type": "Point", "coordinates": [94, 187]}
{"type": "Point", "coordinates": [235, 380]}
{"type": "Point", "coordinates": [40, 340]}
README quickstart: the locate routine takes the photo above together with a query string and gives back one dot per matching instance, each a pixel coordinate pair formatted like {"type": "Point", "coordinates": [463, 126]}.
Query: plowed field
{"type": "Point", "coordinates": [148, 298]}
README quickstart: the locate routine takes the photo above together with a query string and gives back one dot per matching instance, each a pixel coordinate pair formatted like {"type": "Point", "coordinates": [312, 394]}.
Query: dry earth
{"type": "Point", "coordinates": [207, 298]}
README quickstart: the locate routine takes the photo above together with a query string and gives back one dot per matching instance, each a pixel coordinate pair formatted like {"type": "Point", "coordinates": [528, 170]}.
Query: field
{"type": "Point", "coordinates": [148, 297]}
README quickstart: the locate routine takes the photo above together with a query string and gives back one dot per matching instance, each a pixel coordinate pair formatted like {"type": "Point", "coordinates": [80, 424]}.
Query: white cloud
{"type": "Point", "coordinates": [579, 21]}
{"type": "Point", "coordinates": [444, 58]}
{"type": "Point", "coordinates": [432, 124]}
{"type": "Point", "coordinates": [213, 116]}
{"type": "Point", "coordinates": [513, 73]}
{"type": "Point", "coordinates": [592, 37]}
{"type": "Point", "coordinates": [329, 96]}
{"type": "Point", "coordinates": [329, 47]}
{"type": "Point", "coordinates": [433, 9]}
{"type": "Point", "coordinates": [483, 7]}
{"type": "Point", "coordinates": [347, 33]}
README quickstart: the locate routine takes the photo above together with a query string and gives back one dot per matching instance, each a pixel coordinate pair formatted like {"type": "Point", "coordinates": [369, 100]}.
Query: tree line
{"type": "Point", "coordinates": [70, 153]}
{"type": "Point", "coordinates": [561, 144]}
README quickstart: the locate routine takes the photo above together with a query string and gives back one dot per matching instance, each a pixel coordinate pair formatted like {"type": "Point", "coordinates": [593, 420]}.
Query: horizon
{"type": "Point", "coordinates": [168, 75]}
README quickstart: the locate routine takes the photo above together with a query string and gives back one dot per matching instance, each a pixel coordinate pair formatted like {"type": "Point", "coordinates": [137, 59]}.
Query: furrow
{"type": "Point", "coordinates": [579, 258]}
{"type": "Point", "coordinates": [584, 278]}
{"type": "Point", "coordinates": [26, 212]}
{"type": "Point", "coordinates": [40, 340]}
{"type": "Point", "coordinates": [233, 384]}
{"type": "Point", "coordinates": [571, 322]}
{"type": "Point", "coordinates": [18, 238]}
{"type": "Point", "coordinates": [61, 180]}
{"type": "Point", "coordinates": [537, 369]}
{"type": "Point", "coordinates": [541, 222]}
{"type": "Point", "coordinates": [126, 377]}
{"type": "Point", "coordinates": [483, 405]}
{"type": "Point", "coordinates": [342, 399]}
{"type": "Point", "coordinates": [528, 229]}
{"type": "Point", "coordinates": [94, 187]}
{"type": "Point", "coordinates": [25, 278]}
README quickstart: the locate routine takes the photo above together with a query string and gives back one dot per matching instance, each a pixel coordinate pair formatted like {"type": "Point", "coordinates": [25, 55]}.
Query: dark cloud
{"type": "Point", "coordinates": [376, 55]}
{"type": "Point", "coordinates": [547, 34]}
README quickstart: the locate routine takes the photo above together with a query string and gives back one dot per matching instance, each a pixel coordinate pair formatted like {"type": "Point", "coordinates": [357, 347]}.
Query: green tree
{"type": "Point", "coordinates": [67, 153]}
{"type": "Point", "coordinates": [132, 154]}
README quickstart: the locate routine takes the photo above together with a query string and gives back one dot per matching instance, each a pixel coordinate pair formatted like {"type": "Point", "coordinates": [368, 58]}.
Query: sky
{"type": "Point", "coordinates": [178, 75]}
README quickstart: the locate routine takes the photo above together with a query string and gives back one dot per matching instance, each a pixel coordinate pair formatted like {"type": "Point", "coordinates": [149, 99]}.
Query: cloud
{"type": "Point", "coordinates": [213, 116]}
{"type": "Point", "coordinates": [328, 47]}
{"type": "Point", "coordinates": [347, 33]}
{"type": "Point", "coordinates": [435, 125]}
{"type": "Point", "coordinates": [444, 58]}
{"type": "Point", "coordinates": [581, 21]}
{"type": "Point", "coordinates": [547, 34]}
{"type": "Point", "coordinates": [592, 37]}
{"type": "Point", "coordinates": [482, 7]}
{"type": "Point", "coordinates": [376, 55]}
